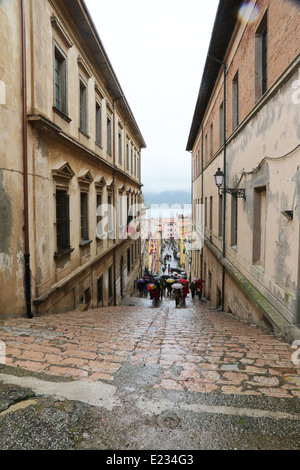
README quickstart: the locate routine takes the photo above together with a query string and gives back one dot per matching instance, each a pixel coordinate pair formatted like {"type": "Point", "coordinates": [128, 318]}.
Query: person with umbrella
{"type": "Point", "coordinates": [147, 280]}
{"type": "Point", "coordinates": [177, 289]}
{"type": "Point", "coordinates": [199, 285]}
{"type": "Point", "coordinates": [185, 289]}
{"type": "Point", "coordinates": [140, 283]}
{"type": "Point", "coordinates": [154, 293]}
{"type": "Point", "coordinates": [193, 288]}
{"type": "Point", "coordinates": [169, 283]}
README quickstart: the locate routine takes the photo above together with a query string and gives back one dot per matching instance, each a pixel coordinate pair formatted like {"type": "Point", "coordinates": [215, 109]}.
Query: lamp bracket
{"type": "Point", "coordinates": [234, 191]}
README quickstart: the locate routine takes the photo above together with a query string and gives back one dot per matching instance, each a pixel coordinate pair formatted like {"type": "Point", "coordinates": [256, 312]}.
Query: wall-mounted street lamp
{"type": "Point", "coordinates": [219, 180]}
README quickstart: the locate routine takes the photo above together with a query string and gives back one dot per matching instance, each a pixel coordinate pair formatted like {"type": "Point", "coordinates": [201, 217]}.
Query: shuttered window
{"type": "Point", "coordinates": [83, 107]}
{"type": "Point", "coordinates": [62, 221]}
{"type": "Point", "coordinates": [60, 81]}
{"type": "Point", "coordinates": [98, 124]}
{"type": "Point", "coordinates": [84, 216]}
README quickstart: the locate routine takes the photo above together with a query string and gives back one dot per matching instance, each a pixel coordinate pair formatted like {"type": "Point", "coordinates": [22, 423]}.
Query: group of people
{"type": "Point", "coordinates": [157, 287]}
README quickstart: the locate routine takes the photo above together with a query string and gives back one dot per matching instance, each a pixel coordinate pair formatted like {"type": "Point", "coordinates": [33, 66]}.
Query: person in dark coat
{"type": "Point", "coordinates": [177, 296]}
{"type": "Point", "coordinates": [193, 289]}
{"type": "Point", "coordinates": [154, 296]}
{"type": "Point", "coordinates": [199, 286]}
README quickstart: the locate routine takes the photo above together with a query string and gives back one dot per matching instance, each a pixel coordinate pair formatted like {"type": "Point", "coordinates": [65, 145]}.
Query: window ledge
{"type": "Point", "coordinates": [84, 133]}
{"type": "Point", "coordinates": [59, 254]}
{"type": "Point", "coordinates": [85, 242]}
{"type": "Point", "coordinates": [259, 267]}
{"type": "Point", "coordinates": [61, 114]}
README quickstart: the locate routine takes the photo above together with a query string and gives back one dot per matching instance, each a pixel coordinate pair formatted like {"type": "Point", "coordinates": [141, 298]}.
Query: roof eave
{"type": "Point", "coordinates": [225, 22]}
{"type": "Point", "coordinates": [82, 19]}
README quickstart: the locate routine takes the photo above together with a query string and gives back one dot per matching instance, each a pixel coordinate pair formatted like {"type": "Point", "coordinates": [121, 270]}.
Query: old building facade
{"type": "Point", "coordinates": [70, 164]}
{"type": "Point", "coordinates": [246, 126]}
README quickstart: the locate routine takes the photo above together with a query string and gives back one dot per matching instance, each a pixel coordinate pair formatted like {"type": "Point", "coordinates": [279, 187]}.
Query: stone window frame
{"type": "Point", "coordinates": [100, 184]}
{"type": "Point", "coordinates": [62, 176]}
{"type": "Point", "coordinates": [61, 44]}
{"type": "Point", "coordinates": [84, 181]}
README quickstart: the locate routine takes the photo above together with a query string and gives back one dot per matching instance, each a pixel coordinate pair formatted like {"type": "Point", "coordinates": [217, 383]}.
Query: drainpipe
{"type": "Point", "coordinates": [25, 168]}
{"type": "Point", "coordinates": [298, 285]}
{"type": "Point", "coordinates": [114, 203]}
{"type": "Point", "coordinates": [192, 202]}
{"type": "Point", "coordinates": [224, 193]}
{"type": "Point", "coordinates": [224, 171]}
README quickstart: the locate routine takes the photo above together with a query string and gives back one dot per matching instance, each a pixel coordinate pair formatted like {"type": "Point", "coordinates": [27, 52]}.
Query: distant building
{"type": "Point", "coordinates": [249, 129]}
{"type": "Point", "coordinates": [69, 145]}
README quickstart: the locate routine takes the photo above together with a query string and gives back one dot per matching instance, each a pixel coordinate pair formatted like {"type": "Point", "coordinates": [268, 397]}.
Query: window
{"type": "Point", "coordinates": [83, 107]}
{"type": "Point", "coordinates": [110, 283]}
{"type": "Point", "coordinates": [205, 212]}
{"type": "Point", "coordinates": [84, 227]}
{"type": "Point", "coordinates": [60, 81]}
{"type": "Point", "coordinates": [122, 211]}
{"type": "Point", "coordinates": [259, 226]}
{"type": "Point", "coordinates": [234, 217]}
{"type": "Point", "coordinates": [62, 221]}
{"type": "Point", "coordinates": [128, 260]}
{"type": "Point", "coordinates": [110, 214]}
{"type": "Point", "coordinates": [100, 290]}
{"type": "Point", "coordinates": [211, 140]}
{"type": "Point", "coordinates": [134, 163]}
{"type": "Point", "coordinates": [131, 161]}
{"type": "Point", "coordinates": [221, 124]}
{"type": "Point", "coordinates": [109, 136]}
{"type": "Point", "coordinates": [120, 147]}
{"type": "Point", "coordinates": [127, 156]}
{"type": "Point", "coordinates": [220, 231]}
{"type": "Point", "coordinates": [206, 149]}
{"type": "Point", "coordinates": [210, 213]}
{"type": "Point", "coordinates": [122, 276]}
{"type": "Point", "coordinates": [261, 58]}
{"type": "Point", "coordinates": [99, 217]}
{"type": "Point", "coordinates": [235, 101]}
{"type": "Point", "coordinates": [264, 78]}
{"type": "Point", "coordinates": [98, 124]}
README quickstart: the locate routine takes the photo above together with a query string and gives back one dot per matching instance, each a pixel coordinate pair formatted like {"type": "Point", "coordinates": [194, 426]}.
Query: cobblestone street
{"type": "Point", "coordinates": [161, 359]}
{"type": "Point", "coordinates": [198, 349]}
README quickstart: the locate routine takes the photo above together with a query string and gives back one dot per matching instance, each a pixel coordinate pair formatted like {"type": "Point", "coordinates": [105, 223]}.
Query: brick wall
{"type": "Point", "coordinates": [283, 48]}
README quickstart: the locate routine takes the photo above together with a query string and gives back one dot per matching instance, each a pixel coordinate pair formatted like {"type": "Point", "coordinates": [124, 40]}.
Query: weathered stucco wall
{"type": "Point", "coordinates": [58, 283]}
{"type": "Point", "coordinates": [11, 167]}
{"type": "Point", "coordinates": [263, 157]}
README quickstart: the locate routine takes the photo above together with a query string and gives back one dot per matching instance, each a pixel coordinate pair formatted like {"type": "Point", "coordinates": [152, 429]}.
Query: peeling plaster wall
{"type": "Point", "coordinates": [265, 150]}
{"type": "Point", "coordinates": [11, 167]}
{"type": "Point", "coordinates": [58, 282]}
{"type": "Point", "coordinates": [264, 153]}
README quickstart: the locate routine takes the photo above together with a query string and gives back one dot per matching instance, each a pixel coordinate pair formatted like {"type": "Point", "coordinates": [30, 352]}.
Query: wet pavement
{"type": "Point", "coordinates": [143, 377]}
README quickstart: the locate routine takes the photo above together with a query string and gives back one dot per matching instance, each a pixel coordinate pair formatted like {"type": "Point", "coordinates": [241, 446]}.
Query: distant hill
{"type": "Point", "coordinates": [167, 197]}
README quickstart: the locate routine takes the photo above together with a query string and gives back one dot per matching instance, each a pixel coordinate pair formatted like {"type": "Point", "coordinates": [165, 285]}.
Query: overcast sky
{"type": "Point", "coordinates": [158, 50]}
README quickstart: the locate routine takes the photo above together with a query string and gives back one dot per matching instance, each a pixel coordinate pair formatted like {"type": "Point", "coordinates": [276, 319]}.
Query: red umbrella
{"type": "Point", "coordinates": [151, 287]}
{"type": "Point", "coordinates": [183, 281]}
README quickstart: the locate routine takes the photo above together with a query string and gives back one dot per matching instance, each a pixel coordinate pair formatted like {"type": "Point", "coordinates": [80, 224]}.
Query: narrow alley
{"type": "Point", "coordinates": [148, 377]}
